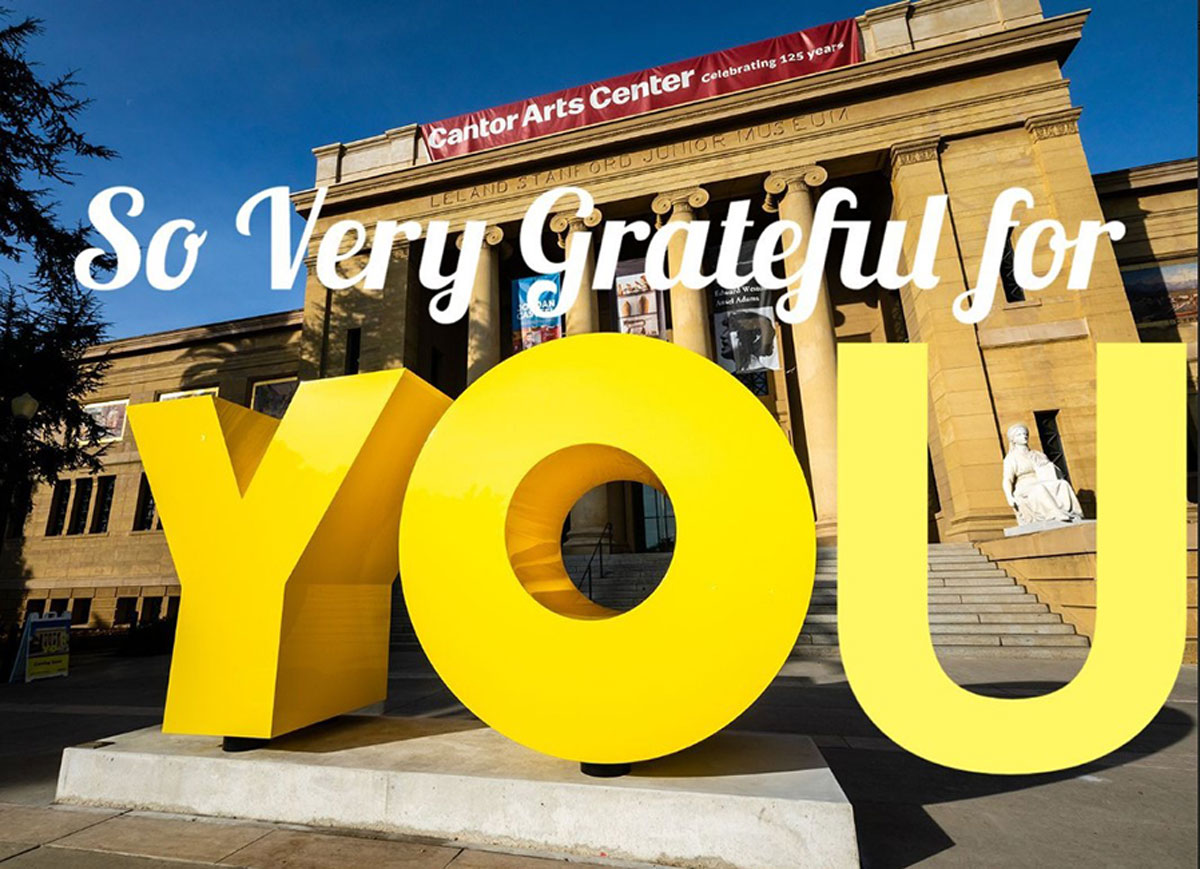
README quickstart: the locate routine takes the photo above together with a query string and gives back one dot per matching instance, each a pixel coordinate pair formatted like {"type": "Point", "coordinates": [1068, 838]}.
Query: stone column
{"type": "Point", "coordinates": [484, 315]}
{"type": "Point", "coordinates": [589, 516]}
{"type": "Point", "coordinates": [314, 337]}
{"type": "Point", "coordinates": [791, 193]}
{"type": "Point", "coordinates": [691, 326]}
{"type": "Point", "coordinates": [1071, 194]}
{"type": "Point", "coordinates": [584, 314]}
{"type": "Point", "coordinates": [964, 439]}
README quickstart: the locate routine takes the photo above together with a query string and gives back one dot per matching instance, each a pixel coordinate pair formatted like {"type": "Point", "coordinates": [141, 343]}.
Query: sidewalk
{"type": "Point", "coordinates": [1136, 807]}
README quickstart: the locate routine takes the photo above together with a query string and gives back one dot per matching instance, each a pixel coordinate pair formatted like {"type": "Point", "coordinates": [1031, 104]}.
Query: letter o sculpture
{"type": "Point", "coordinates": [481, 561]}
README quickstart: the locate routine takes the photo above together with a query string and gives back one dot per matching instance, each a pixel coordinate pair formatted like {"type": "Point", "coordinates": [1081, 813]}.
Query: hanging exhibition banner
{"type": "Point", "coordinates": [772, 60]}
{"type": "Point", "coordinates": [529, 329]}
{"type": "Point", "coordinates": [744, 326]}
{"type": "Point", "coordinates": [640, 309]}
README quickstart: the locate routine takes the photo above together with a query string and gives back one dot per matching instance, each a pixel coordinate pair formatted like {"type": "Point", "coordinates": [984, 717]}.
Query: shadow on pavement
{"type": "Point", "coordinates": [890, 788]}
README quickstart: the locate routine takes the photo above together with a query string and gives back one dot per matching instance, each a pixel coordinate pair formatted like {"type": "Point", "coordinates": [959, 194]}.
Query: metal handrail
{"type": "Point", "coordinates": [597, 552]}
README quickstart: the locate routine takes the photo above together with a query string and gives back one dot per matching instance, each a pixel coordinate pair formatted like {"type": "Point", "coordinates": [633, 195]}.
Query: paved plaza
{"type": "Point", "coordinates": [1136, 807]}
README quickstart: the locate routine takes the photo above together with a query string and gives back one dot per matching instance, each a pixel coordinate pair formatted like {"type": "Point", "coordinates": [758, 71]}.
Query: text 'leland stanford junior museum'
{"type": "Point", "coordinates": [958, 97]}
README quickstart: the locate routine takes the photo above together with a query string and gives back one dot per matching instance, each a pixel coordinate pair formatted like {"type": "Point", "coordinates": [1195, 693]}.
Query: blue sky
{"type": "Point", "coordinates": [210, 102]}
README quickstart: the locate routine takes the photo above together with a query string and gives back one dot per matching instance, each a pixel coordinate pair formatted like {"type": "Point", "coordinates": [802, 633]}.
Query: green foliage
{"type": "Point", "coordinates": [47, 321]}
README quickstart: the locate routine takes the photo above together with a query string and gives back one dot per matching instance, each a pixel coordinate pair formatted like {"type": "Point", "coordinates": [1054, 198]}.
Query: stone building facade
{"type": "Point", "coordinates": [958, 97]}
{"type": "Point", "coordinates": [93, 544]}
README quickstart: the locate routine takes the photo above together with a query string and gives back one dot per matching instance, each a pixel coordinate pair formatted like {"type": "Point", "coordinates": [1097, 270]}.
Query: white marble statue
{"type": "Point", "coordinates": [1032, 485]}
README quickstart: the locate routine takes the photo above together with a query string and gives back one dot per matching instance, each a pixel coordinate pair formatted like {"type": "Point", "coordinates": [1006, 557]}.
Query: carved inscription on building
{"type": "Point", "coordinates": [688, 149]}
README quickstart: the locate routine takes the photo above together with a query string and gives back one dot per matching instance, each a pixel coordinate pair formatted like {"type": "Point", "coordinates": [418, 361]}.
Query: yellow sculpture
{"type": "Point", "coordinates": [284, 537]}
{"type": "Point", "coordinates": [482, 568]}
{"type": "Point", "coordinates": [1141, 589]}
{"type": "Point", "coordinates": [283, 533]}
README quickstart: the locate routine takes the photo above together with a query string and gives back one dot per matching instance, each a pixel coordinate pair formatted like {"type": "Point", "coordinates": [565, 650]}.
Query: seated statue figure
{"type": "Point", "coordinates": [1032, 485]}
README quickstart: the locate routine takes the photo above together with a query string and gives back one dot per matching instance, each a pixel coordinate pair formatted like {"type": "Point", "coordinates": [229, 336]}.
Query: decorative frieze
{"type": "Point", "coordinates": [913, 152]}
{"type": "Point", "coordinates": [1054, 124]}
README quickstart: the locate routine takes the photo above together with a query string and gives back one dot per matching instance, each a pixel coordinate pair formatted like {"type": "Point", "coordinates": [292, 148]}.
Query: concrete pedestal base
{"type": "Point", "coordinates": [1048, 525]}
{"type": "Point", "coordinates": [737, 800]}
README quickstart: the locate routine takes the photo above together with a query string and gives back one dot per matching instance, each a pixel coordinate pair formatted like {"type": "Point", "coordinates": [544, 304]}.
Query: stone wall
{"type": "Point", "coordinates": [1060, 568]}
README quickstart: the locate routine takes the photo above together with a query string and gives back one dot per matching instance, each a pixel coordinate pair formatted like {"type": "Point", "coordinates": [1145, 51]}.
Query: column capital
{"type": "Point", "coordinates": [568, 221]}
{"type": "Point", "coordinates": [492, 236]}
{"type": "Point", "coordinates": [1048, 125]}
{"type": "Point", "coordinates": [797, 178]}
{"type": "Point", "coordinates": [685, 201]}
{"type": "Point", "coordinates": [914, 151]}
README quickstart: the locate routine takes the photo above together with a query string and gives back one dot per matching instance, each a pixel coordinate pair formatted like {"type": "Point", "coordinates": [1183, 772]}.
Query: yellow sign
{"type": "Point", "coordinates": [482, 568]}
{"type": "Point", "coordinates": [283, 533]}
{"type": "Point", "coordinates": [284, 537]}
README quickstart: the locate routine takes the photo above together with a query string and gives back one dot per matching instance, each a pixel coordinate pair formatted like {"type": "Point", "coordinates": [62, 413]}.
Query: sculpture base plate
{"type": "Point", "coordinates": [1048, 525]}
{"type": "Point", "coordinates": [738, 799]}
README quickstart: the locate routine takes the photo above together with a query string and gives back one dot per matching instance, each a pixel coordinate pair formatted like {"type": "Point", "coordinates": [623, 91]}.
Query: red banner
{"type": "Point", "coordinates": [779, 59]}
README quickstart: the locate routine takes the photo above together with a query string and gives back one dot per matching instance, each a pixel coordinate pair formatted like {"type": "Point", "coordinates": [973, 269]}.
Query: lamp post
{"type": "Point", "coordinates": [24, 406]}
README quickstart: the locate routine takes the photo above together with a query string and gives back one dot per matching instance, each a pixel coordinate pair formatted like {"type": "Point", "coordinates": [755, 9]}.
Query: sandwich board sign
{"type": "Point", "coordinates": [45, 648]}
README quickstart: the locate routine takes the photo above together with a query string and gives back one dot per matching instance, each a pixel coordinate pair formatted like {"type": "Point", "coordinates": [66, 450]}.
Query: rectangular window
{"type": "Point", "coordinates": [1047, 426]}
{"type": "Point", "coordinates": [126, 612]}
{"type": "Point", "coordinates": [1008, 279]}
{"type": "Point", "coordinates": [151, 609]}
{"type": "Point", "coordinates": [353, 349]}
{"type": "Point", "coordinates": [143, 518]}
{"type": "Point", "coordinates": [173, 606]}
{"type": "Point", "coordinates": [59, 605]}
{"type": "Point", "coordinates": [80, 506]}
{"type": "Point", "coordinates": [104, 499]}
{"type": "Point", "coordinates": [187, 393]}
{"type": "Point", "coordinates": [35, 605]}
{"type": "Point", "coordinates": [81, 611]}
{"type": "Point", "coordinates": [272, 397]}
{"type": "Point", "coordinates": [57, 519]}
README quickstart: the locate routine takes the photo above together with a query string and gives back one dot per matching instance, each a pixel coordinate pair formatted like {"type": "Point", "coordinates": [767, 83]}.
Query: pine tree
{"type": "Point", "coordinates": [47, 321]}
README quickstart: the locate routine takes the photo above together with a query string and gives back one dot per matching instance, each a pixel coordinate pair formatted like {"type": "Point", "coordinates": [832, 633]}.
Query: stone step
{"type": "Point", "coordinates": [1051, 640]}
{"type": "Point", "coordinates": [1032, 605]}
{"type": "Point", "coordinates": [1017, 618]}
{"type": "Point", "coordinates": [946, 613]}
{"type": "Point", "coordinates": [981, 598]}
{"type": "Point", "coordinates": [944, 581]}
{"type": "Point", "coordinates": [966, 570]}
{"type": "Point", "coordinates": [944, 641]}
{"type": "Point", "coordinates": [976, 592]}
{"type": "Point", "coordinates": [937, 628]}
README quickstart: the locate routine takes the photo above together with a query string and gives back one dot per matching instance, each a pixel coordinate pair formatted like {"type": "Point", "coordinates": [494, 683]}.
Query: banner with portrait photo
{"type": "Point", "coordinates": [744, 326]}
{"type": "Point", "coordinates": [528, 326]}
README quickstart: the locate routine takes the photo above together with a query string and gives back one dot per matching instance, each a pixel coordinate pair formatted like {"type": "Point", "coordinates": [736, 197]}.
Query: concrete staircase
{"type": "Point", "coordinates": [975, 608]}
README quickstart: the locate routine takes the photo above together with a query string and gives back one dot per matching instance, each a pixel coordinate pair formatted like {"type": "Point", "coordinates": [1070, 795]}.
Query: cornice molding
{"type": "Point", "coordinates": [222, 331]}
{"type": "Point", "coordinates": [1182, 172]}
{"type": "Point", "coordinates": [1051, 125]}
{"type": "Point", "coordinates": [913, 152]}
